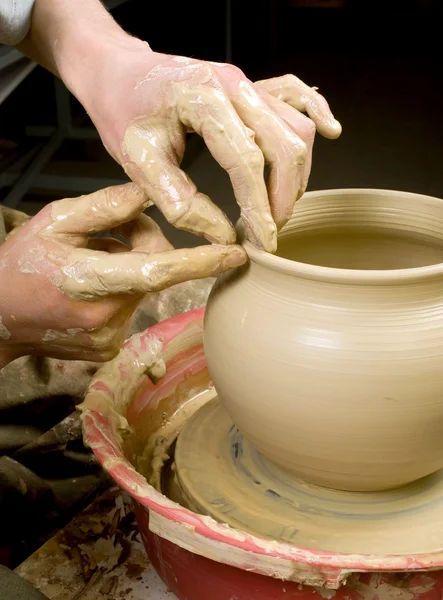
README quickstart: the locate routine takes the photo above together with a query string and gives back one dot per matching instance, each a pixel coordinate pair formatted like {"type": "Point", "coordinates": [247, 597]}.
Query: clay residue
{"type": "Point", "coordinates": [201, 109]}
{"type": "Point", "coordinates": [112, 388]}
{"type": "Point", "coordinates": [286, 151]}
{"type": "Point", "coordinates": [57, 245]}
{"type": "Point", "coordinates": [158, 449]}
{"type": "Point", "coordinates": [291, 89]}
{"type": "Point", "coordinates": [244, 125]}
{"type": "Point", "coordinates": [89, 275]}
{"type": "Point", "coordinates": [220, 474]}
{"type": "Point", "coordinates": [52, 335]}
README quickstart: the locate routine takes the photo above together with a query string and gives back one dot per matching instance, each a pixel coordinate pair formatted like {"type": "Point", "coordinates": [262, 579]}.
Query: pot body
{"type": "Point", "coordinates": [335, 373]}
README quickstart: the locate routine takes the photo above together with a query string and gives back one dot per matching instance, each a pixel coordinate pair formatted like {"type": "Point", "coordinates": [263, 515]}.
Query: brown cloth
{"type": "Point", "coordinates": [13, 587]}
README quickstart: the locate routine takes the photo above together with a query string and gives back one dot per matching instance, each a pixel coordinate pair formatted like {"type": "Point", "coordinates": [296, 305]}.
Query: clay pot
{"type": "Point", "coordinates": [329, 356]}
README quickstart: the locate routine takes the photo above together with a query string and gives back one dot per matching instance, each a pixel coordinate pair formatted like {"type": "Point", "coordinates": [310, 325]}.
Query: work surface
{"type": "Point", "coordinates": [98, 556]}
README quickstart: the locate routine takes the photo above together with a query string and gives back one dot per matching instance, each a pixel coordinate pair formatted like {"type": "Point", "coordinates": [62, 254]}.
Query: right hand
{"type": "Point", "coordinates": [65, 295]}
{"type": "Point", "coordinates": [143, 103]}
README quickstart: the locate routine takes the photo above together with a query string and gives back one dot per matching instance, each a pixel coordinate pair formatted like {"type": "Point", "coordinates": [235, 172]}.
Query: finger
{"type": "Point", "coordinates": [282, 148]}
{"type": "Point", "coordinates": [301, 125]}
{"type": "Point", "coordinates": [210, 113]}
{"type": "Point", "coordinates": [293, 91]}
{"type": "Point", "coordinates": [150, 159]}
{"type": "Point", "coordinates": [99, 211]}
{"type": "Point", "coordinates": [144, 235]}
{"type": "Point", "coordinates": [93, 275]}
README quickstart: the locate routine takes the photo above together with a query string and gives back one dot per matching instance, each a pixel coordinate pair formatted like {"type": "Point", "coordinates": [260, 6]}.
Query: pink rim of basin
{"type": "Point", "coordinates": [182, 351]}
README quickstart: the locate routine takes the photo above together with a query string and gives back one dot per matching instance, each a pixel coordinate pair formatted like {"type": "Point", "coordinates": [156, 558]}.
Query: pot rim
{"type": "Point", "coordinates": [339, 275]}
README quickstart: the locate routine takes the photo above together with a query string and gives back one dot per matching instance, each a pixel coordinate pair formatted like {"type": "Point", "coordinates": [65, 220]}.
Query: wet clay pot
{"type": "Point", "coordinates": [329, 355]}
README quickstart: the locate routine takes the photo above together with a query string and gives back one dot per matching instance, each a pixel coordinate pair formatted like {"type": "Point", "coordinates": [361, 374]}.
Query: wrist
{"type": "Point", "coordinates": [67, 38]}
{"type": "Point", "coordinates": [93, 54]}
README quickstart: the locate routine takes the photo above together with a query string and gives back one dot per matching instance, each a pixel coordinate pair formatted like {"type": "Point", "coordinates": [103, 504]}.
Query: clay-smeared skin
{"type": "Point", "coordinates": [336, 373]}
{"type": "Point", "coordinates": [243, 124]}
{"type": "Point", "coordinates": [73, 296]}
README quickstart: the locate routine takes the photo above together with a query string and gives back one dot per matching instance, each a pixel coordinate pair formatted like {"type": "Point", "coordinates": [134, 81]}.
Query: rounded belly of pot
{"type": "Point", "coordinates": [346, 396]}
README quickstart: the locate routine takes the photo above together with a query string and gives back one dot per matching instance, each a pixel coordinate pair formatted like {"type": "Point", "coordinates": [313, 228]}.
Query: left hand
{"type": "Point", "coordinates": [143, 103]}
{"type": "Point", "coordinates": [65, 294]}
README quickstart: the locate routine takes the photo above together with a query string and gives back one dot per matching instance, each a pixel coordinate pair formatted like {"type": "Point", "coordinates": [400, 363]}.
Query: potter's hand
{"type": "Point", "coordinates": [156, 98]}
{"type": "Point", "coordinates": [65, 295]}
{"type": "Point", "coordinates": [143, 102]}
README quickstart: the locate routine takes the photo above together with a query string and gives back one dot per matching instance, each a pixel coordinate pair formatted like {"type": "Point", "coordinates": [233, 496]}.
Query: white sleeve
{"type": "Point", "coordinates": [15, 20]}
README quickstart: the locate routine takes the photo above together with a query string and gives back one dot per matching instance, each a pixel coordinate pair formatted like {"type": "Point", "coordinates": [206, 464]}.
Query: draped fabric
{"type": "Point", "coordinates": [15, 20]}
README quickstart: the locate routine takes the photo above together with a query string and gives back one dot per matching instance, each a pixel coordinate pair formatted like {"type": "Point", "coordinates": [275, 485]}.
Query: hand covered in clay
{"type": "Point", "coordinates": [67, 295]}
{"type": "Point", "coordinates": [143, 103]}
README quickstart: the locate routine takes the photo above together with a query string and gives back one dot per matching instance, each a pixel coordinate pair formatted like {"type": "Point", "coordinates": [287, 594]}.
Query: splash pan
{"type": "Point", "coordinates": [218, 472]}
{"type": "Point", "coordinates": [130, 423]}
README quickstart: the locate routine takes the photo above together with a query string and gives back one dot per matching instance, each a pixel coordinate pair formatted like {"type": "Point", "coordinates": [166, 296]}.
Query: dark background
{"type": "Point", "coordinates": [377, 62]}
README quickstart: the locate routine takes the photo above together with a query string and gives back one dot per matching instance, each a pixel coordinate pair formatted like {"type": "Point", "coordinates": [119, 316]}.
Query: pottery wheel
{"type": "Point", "coordinates": [220, 474]}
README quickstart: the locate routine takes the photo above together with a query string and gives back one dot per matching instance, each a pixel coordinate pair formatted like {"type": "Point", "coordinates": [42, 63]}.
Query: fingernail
{"type": "Point", "coordinates": [335, 128]}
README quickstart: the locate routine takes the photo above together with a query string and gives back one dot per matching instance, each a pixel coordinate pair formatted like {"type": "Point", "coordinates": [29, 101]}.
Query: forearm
{"type": "Point", "coordinates": [68, 37]}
